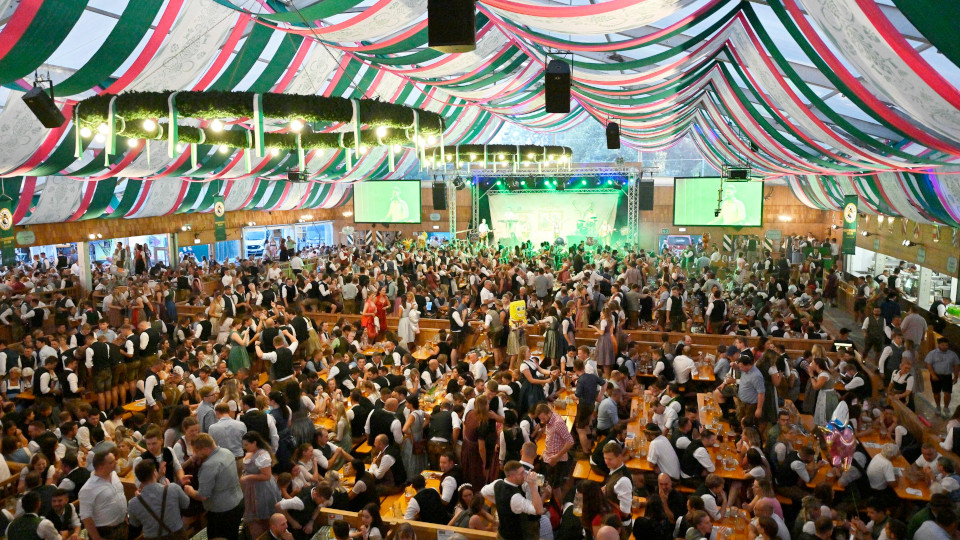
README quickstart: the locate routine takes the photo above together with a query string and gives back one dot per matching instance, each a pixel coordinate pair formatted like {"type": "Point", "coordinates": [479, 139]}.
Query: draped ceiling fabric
{"type": "Point", "coordinates": [835, 97]}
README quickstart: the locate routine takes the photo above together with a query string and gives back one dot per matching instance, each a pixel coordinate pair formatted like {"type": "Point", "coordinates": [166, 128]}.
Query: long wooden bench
{"type": "Point", "coordinates": [424, 531]}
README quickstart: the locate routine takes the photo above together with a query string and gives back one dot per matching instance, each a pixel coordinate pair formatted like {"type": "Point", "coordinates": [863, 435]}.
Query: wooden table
{"type": "Point", "coordinates": [137, 406]}
{"type": "Point", "coordinates": [703, 374]}
{"type": "Point", "coordinates": [26, 395]}
{"type": "Point", "coordinates": [422, 353]}
{"type": "Point", "coordinates": [394, 506]}
{"type": "Point", "coordinates": [873, 443]}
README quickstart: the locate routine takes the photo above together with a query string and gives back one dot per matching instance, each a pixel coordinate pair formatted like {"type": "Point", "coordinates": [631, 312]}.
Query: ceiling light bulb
{"type": "Point", "coordinates": [149, 125]}
{"type": "Point", "coordinates": [224, 149]}
{"type": "Point", "coordinates": [381, 132]}
{"type": "Point", "coordinates": [99, 137]}
{"type": "Point", "coordinates": [275, 151]}
{"type": "Point", "coordinates": [216, 125]}
{"type": "Point", "coordinates": [133, 143]}
{"type": "Point", "coordinates": [103, 128]}
{"type": "Point", "coordinates": [431, 139]}
{"type": "Point", "coordinates": [296, 125]}
{"type": "Point", "coordinates": [473, 157]}
{"type": "Point", "coordinates": [531, 155]}
{"type": "Point", "coordinates": [85, 132]}
{"type": "Point", "coordinates": [92, 236]}
{"type": "Point", "coordinates": [397, 148]}
{"type": "Point", "coordinates": [99, 235]}
{"type": "Point", "coordinates": [449, 157]}
{"type": "Point", "coordinates": [363, 149]}
{"type": "Point", "coordinates": [179, 147]}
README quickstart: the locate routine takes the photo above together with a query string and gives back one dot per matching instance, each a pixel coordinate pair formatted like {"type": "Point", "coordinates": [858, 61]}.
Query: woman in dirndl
{"type": "Point", "coordinates": [533, 379]}
{"type": "Point", "coordinates": [606, 349]}
{"type": "Point", "coordinates": [552, 346]}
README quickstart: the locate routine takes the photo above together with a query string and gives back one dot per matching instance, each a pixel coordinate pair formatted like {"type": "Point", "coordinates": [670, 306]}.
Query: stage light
{"type": "Point", "coordinates": [561, 184]}
{"type": "Point", "coordinates": [296, 125]}
{"type": "Point", "coordinates": [381, 132]}
{"type": "Point", "coordinates": [583, 182]}
{"type": "Point", "coordinates": [216, 125]}
{"type": "Point", "coordinates": [149, 125]}
{"type": "Point", "coordinates": [85, 132]}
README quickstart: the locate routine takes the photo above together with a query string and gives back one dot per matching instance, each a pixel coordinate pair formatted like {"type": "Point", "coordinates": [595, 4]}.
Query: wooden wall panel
{"type": "Point", "coordinates": [202, 224]}
{"type": "Point", "coordinates": [888, 239]}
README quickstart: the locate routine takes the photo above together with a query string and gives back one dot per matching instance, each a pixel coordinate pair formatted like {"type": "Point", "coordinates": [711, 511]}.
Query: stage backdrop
{"type": "Point", "coordinates": [542, 217]}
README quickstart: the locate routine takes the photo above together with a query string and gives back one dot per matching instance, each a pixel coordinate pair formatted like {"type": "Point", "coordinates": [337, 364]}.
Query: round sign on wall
{"type": "Point", "coordinates": [25, 238]}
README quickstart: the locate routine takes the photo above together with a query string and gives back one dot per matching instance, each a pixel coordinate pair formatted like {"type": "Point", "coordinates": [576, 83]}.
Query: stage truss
{"type": "Point", "coordinates": [633, 173]}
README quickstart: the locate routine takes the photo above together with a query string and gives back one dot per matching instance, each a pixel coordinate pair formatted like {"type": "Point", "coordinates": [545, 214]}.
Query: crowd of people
{"type": "Point", "coordinates": [257, 412]}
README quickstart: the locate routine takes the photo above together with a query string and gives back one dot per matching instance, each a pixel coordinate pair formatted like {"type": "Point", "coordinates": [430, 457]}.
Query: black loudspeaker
{"type": "Point", "coordinates": [439, 196]}
{"type": "Point", "coordinates": [557, 87]}
{"type": "Point", "coordinates": [738, 174]}
{"type": "Point", "coordinates": [452, 25]}
{"type": "Point", "coordinates": [613, 136]}
{"type": "Point", "coordinates": [294, 175]}
{"type": "Point", "coordinates": [646, 195]}
{"type": "Point", "coordinates": [43, 107]}
{"type": "Point", "coordinates": [561, 184]}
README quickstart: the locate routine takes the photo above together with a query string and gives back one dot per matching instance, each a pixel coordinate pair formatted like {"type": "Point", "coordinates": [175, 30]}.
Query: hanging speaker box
{"type": "Point", "coordinates": [452, 25]}
{"type": "Point", "coordinates": [613, 136]}
{"type": "Point", "coordinates": [557, 87]}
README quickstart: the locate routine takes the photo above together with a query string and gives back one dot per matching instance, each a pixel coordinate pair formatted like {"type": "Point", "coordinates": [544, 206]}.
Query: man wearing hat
{"type": "Point", "coordinates": [660, 453]}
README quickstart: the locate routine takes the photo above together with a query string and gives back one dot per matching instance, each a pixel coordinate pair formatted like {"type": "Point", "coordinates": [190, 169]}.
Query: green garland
{"type": "Point", "coordinates": [503, 153]}
{"type": "Point", "coordinates": [134, 108]}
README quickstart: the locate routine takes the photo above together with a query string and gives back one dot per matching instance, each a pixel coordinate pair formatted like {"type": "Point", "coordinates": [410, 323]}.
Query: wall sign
{"type": "Point", "coordinates": [664, 231]}
{"type": "Point", "coordinates": [952, 266]}
{"type": "Point", "coordinates": [774, 234]}
{"type": "Point", "coordinates": [921, 255]}
{"type": "Point", "coordinates": [434, 217]}
{"type": "Point", "coordinates": [849, 244]}
{"type": "Point", "coordinates": [876, 245]}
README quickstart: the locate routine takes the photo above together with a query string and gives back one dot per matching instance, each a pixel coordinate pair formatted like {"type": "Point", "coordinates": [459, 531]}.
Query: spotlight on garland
{"type": "Point", "coordinates": [371, 123]}
{"type": "Point", "coordinates": [498, 157]}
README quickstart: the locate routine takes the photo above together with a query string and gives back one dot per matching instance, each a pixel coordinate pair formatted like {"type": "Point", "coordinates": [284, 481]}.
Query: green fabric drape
{"type": "Point", "coordinates": [49, 28]}
{"type": "Point", "coordinates": [133, 25]}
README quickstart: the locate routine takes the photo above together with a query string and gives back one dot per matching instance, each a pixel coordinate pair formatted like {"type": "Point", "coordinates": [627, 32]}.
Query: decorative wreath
{"type": "Point", "coordinates": [157, 115]}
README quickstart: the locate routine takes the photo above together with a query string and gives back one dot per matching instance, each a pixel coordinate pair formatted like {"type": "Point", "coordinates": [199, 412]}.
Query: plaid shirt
{"type": "Point", "coordinates": [557, 435]}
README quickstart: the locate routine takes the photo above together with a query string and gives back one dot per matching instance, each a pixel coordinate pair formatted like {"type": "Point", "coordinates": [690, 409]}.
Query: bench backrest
{"type": "Point", "coordinates": [425, 531]}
